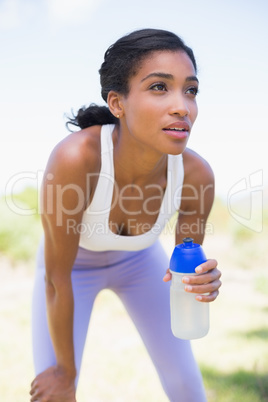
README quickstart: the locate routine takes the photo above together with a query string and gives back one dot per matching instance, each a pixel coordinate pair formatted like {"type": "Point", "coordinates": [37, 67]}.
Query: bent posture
{"type": "Point", "coordinates": [108, 192]}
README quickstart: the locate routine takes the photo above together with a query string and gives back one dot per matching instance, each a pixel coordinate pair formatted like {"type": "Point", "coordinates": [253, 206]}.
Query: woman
{"type": "Point", "coordinates": [108, 191]}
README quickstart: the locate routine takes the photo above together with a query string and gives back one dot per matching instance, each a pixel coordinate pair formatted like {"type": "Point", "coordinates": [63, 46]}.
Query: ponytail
{"type": "Point", "coordinates": [91, 116]}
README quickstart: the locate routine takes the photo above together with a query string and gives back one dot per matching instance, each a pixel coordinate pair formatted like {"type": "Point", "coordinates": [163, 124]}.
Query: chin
{"type": "Point", "coordinates": [177, 149]}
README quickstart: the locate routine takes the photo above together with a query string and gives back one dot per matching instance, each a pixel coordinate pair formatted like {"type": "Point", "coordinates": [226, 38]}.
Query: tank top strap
{"type": "Point", "coordinates": [107, 138]}
{"type": "Point", "coordinates": [102, 198]}
{"type": "Point", "coordinates": [175, 179]}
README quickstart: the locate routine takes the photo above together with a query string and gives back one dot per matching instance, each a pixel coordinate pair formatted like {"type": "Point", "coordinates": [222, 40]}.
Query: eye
{"type": "Point", "coordinates": [193, 91]}
{"type": "Point", "coordinates": [159, 86]}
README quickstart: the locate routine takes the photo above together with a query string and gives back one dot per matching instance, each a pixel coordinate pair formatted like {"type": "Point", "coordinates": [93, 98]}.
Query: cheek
{"type": "Point", "coordinates": [142, 111]}
{"type": "Point", "coordinates": [194, 112]}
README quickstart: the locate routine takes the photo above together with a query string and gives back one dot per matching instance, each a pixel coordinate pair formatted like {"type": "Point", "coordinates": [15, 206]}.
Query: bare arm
{"type": "Point", "coordinates": [64, 198]}
{"type": "Point", "coordinates": [196, 204]}
{"type": "Point", "coordinates": [197, 198]}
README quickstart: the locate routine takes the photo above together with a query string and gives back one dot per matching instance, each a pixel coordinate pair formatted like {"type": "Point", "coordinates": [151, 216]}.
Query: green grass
{"type": "Point", "coordinates": [233, 357]}
{"type": "Point", "coordinates": [19, 233]}
{"type": "Point", "coordinates": [261, 284]}
{"type": "Point", "coordinates": [235, 386]}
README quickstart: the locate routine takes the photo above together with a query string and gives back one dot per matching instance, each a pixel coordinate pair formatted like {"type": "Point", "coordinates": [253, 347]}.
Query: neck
{"type": "Point", "coordinates": [136, 164]}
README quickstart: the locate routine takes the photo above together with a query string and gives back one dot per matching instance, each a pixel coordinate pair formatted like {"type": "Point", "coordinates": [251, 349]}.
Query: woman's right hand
{"type": "Point", "coordinates": [53, 385]}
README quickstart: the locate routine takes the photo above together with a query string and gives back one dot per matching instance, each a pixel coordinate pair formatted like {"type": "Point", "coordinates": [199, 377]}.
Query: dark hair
{"type": "Point", "coordinates": [121, 62]}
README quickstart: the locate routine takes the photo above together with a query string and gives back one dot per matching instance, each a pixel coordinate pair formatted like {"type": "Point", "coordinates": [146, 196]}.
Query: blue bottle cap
{"type": "Point", "coordinates": [186, 257]}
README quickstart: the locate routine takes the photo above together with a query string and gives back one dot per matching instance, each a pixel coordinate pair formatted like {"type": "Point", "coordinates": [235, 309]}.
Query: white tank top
{"type": "Point", "coordinates": [94, 230]}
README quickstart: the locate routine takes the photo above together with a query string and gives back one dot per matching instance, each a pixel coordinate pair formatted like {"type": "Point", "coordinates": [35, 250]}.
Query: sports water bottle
{"type": "Point", "coordinates": [189, 317]}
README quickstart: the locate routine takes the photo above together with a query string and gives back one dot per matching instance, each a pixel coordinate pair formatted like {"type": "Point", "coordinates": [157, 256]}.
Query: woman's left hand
{"type": "Point", "coordinates": [206, 284]}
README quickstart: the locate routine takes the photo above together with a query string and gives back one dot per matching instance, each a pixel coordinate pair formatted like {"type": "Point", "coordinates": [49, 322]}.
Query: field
{"type": "Point", "coordinates": [233, 357]}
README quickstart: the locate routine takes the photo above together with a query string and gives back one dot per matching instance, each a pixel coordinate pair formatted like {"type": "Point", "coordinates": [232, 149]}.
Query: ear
{"type": "Point", "coordinates": [114, 101]}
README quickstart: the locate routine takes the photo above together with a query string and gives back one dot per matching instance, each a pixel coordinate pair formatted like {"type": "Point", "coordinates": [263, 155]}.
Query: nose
{"type": "Point", "coordinates": [179, 106]}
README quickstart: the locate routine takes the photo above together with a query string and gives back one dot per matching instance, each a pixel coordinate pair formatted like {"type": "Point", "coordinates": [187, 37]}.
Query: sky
{"type": "Point", "coordinates": [51, 51]}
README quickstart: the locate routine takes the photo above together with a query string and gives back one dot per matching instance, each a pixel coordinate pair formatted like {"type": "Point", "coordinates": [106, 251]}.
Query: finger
{"type": "Point", "coordinates": [167, 277]}
{"type": "Point", "coordinates": [34, 398]}
{"type": "Point", "coordinates": [201, 279]}
{"type": "Point", "coordinates": [204, 288]}
{"type": "Point", "coordinates": [33, 383]}
{"type": "Point", "coordinates": [207, 298]}
{"type": "Point", "coordinates": [32, 391]}
{"type": "Point", "coordinates": [206, 266]}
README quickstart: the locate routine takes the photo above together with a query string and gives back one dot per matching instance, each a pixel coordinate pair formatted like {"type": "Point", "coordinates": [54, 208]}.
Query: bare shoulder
{"type": "Point", "coordinates": [196, 169]}
{"type": "Point", "coordinates": [76, 154]}
{"type": "Point", "coordinates": [198, 187]}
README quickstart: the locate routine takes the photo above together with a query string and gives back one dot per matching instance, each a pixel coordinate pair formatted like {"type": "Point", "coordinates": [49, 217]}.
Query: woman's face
{"type": "Point", "coordinates": [160, 108]}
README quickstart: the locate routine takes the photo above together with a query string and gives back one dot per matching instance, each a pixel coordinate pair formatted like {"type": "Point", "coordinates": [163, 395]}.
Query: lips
{"type": "Point", "coordinates": [178, 130]}
{"type": "Point", "coordinates": [179, 126]}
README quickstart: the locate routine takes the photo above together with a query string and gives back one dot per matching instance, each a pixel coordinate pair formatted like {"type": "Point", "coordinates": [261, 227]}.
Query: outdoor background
{"type": "Point", "coordinates": [51, 51]}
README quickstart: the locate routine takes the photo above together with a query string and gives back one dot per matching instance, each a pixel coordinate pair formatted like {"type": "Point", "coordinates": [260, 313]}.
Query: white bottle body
{"type": "Point", "coordinates": [189, 317]}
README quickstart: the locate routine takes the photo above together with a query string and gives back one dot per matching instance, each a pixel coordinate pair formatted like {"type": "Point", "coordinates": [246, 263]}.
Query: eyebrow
{"type": "Point", "coordinates": [168, 77]}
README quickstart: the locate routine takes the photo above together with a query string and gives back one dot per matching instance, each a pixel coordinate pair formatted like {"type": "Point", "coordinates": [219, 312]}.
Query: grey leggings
{"type": "Point", "coordinates": [136, 277]}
